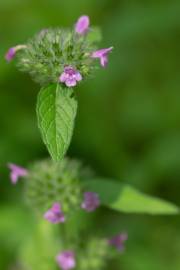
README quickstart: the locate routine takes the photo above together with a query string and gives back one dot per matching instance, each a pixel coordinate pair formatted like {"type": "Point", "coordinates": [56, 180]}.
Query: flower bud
{"type": "Point", "coordinates": [82, 25]}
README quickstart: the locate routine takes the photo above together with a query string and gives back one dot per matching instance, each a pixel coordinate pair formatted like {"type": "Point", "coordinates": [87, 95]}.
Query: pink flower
{"type": "Point", "coordinates": [102, 55]}
{"type": "Point", "coordinates": [82, 25]}
{"type": "Point", "coordinates": [54, 214]}
{"type": "Point", "coordinates": [91, 201]}
{"type": "Point", "coordinates": [16, 172]}
{"type": "Point", "coordinates": [118, 241]}
{"type": "Point", "coordinates": [66, 260]}
{"type": "Point", "coordinates": [12, 52]}
{"type": "Point", "coordinates": [70, 76]}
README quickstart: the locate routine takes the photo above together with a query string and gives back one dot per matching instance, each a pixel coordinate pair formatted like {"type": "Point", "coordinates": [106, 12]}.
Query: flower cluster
{"type": "Point", "coordinates": [66, 259]}
{"type": "Point", "coordinates": [49, 183]}
{"type": "Point", "coordinates": [61, 55]}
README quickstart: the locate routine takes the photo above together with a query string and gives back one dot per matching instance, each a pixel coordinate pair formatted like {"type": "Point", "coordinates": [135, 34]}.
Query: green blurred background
{"type": "Point", "coordinates": [128, 124]}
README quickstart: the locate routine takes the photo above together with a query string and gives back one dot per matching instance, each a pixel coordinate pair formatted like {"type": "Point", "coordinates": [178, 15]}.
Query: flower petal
{"type": "Point", "coordinates": [54, 214]}
{"type": "Point", "coordinates": [70, 76]}
{"type": "Point", "coordinates": [14, 177]}
{"type": "Point", "coordinates": [91, 201]}
{"type": "Point", "coordinates": [10, 54]}
{"type": "Point", "coordinates": [56, 208]}
{"type": "Point", "coordinates": [16, 172]}
{"type": "Point", "coordinates": [118, 241]}
{"type": "Point", "coordinates": [70, 82]}
{"type": "Point", "coordinates": [82, 25]}
{"type": "Point", "coordinates": [63, 77]}
{"type": "Point", "coordinates": [66, 260]}
{"type": "Point", "coordinates": [78, 76]}
{"type": "Point", "coordinates": [104, 61]}
{"type": "Point", "coordinates": [101, 52]}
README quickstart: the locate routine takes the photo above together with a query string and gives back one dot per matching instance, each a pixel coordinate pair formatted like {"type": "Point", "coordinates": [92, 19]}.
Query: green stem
{"type": "Point", "coordinates": [64, 235]}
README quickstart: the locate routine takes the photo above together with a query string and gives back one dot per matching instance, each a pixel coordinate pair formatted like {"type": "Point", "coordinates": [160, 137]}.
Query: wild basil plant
{"type": "Point", "coordinates": [61, 191]}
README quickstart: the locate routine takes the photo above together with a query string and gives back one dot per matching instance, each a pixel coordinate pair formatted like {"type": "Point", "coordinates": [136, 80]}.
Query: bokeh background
{"type": "Point", "coordinates": [128, 124]}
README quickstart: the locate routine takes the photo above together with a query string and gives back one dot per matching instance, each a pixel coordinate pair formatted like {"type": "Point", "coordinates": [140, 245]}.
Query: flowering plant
{"type": "Point", "coordinates": [59, 189]}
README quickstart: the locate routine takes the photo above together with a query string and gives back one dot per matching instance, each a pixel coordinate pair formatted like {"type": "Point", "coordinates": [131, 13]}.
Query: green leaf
{"type": "Point", "coordinates": [127, 199]}
{"type": "Point", "coordinates": [56, 112]}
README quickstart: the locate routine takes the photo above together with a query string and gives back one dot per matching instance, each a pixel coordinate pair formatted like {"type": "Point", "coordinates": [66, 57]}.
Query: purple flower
{"type": "Point", "coordinates": [54, 214]}
{"type": "Point", "coordinates": [12, 52]}
{"type": "Point", "coordinates": [91, 201]}
{"type": "Point", "coordinates": [102, 55]}
{"type": "Point", "coordinates": [118, 241]}
{"type": "Point", "coordinates": [82, 25]}
{"type": "Point", "coordinates": [16, 172]}
{"type": "Point", "coordinates": [66, 260]}
{"type": "Point", "coordinates": [70, 76]}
